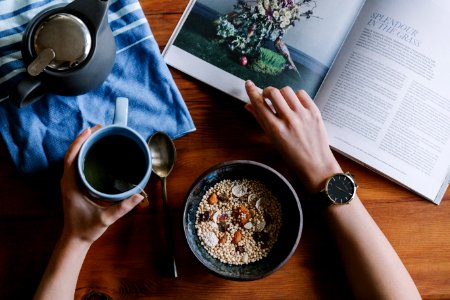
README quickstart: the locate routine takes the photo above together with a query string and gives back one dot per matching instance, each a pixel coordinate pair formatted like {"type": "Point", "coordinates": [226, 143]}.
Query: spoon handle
{"type": "Point", "coordinates": [169, 230]}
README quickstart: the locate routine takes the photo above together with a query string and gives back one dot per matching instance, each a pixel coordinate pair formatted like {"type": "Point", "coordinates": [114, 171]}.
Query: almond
{"type": "Point", "coordinates": [237, 237]}
{"type": "Point", "coordinates": [244, 215]}
{"type": "Point", "coordinates": [213, 199]}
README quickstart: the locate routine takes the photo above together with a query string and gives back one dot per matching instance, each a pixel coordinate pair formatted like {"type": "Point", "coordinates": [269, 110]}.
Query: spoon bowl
{"type": "Point", "coordinates": [163, 154]}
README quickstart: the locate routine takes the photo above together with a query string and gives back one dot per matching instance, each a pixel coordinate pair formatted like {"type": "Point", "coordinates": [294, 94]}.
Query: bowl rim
{"type": "Point", "coordinates": [203, 175]}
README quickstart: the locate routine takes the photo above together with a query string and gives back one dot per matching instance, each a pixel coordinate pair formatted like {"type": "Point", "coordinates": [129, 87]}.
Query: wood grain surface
{"type": "Point", "coordinates": [126, 263]}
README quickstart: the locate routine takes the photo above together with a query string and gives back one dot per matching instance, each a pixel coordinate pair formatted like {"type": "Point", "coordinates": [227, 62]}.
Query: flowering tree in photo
{"type": "Point", "coordinates": [253, 22]}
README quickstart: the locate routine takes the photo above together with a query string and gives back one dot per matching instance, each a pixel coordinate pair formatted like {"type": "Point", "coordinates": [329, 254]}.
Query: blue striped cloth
{"type": "Point", "coordinates": [38, 135]}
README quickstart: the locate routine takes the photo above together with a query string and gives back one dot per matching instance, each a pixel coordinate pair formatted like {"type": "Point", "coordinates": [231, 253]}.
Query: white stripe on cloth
{"type": "Point", "coordinates": [123, 11]}
{"type": "Point", "coordinates": [129, 26]}
{"type": "Point", "coordinates": [11, 39]}
{"type": "Point", "coordinates": [135, 43]}
{"type": "Point", "coordinates": [10, 57]}
{"type": "Point", "coordinates": [26, 16]}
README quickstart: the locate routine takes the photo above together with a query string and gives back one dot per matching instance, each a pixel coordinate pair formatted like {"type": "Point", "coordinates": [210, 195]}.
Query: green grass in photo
{"type": "Point", "coordinates": [269, 62]}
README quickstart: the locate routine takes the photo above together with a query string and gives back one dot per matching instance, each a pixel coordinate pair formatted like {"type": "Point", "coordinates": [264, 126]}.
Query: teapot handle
{"type": "Point", "coordinates": [28, 91]}
{"type": "Point", "coordinates": [94, 10]}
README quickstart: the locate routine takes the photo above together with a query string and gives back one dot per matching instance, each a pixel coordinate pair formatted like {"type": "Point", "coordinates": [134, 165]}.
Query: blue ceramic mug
{"type": "Point", "coordinates": [115, 162]}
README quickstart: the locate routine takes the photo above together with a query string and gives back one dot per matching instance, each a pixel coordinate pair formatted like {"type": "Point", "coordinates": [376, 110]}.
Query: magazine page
{"type": "Point", "coordinates": [271, 42]}
{"type": "Point", "coordinates": [386, 101]}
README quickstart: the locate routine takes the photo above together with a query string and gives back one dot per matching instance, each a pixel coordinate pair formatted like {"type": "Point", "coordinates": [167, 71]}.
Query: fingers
{"type": "Point", "coordinates": [258, 106]}
{"type": "Point", "coordinates": [291, 99]}
{"type": "Point", "coordinates": [305, 99]}
{"type": "Point", "coordinates": [115, 212]}
{"type": "Point", "coordinates": [74, 148]}
{"type": "Point", "coordinates": [278, 101]}
{"type": "Point", "coordinates": [284, 101]}
{"type": "Point", "coordinates": [96, 127]}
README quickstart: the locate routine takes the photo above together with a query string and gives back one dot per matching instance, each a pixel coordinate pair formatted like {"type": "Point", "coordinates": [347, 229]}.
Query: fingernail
{"type": "Point", "coordinates": [249, 83]}
{"type": "Point", "coordinates": [86, 131]}
{"type": "Point", "coordinates": [139, 197]}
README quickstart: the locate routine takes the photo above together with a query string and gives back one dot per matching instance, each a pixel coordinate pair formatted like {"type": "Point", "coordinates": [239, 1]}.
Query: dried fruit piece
{"type": "Point", "coordinates": [237, 237]}
{"type": "Point", "coordinates": [258, 204]}
{"type": "Point", "coordinates": [213, 199]}
{"type": "Point", "coordinates": [223, 227]}
{"type": "Point", "coordinates": [251, 198]}
{"type": "Point", "coordinates": [248, 225]}
{"type": "Point", "coordinates": [216, 216]}
{"type": "Point", "coordinates": [243, 215]}
{"type": "Point", "coordinates": [239, 190]}
{"type": "Point", "coordinates": [223, 218]}
{"type": "Point", "coordinates": [205, 216]}
{"type": "Point", "coordinates": [260, 225]}
{"type": "Point", "coordinates": [223, 197]}
{"type": "Point", "coordinates": [211, 239]}
{"type": "Point", "coordinates": [240, 249]}
{"type": "Point", "coordinates": [223, 239]}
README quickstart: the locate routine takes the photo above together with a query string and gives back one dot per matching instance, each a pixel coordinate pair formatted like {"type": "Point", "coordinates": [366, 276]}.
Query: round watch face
{"type": "Point", "coordinates": [340, 188]}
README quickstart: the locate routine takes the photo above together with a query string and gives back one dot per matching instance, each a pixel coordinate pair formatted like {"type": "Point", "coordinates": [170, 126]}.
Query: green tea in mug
{"type": "Point", "coordinates": [114, 164]}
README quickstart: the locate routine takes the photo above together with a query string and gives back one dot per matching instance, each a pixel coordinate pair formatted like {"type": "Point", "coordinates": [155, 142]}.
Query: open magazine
{"type": "Point", "coordinates": [378, 70]}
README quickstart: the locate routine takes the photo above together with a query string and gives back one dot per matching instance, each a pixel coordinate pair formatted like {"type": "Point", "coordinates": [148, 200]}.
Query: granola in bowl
{"type": "Point", "coordinates": [238, 221]}
{"type": "Point", "coordinates": [242, 220]}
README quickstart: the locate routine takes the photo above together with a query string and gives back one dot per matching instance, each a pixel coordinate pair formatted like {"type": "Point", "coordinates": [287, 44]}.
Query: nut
{"type": "Point", "coordinates": [213, 199]}
{"type": "Point", "coordinates": [237, 237]}
{"type": "Point", "coordinates": [243, 215]}
{"type": "Point", "coordinates": [223, 239]}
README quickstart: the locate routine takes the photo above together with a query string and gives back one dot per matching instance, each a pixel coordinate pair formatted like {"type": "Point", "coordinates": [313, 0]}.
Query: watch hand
{"type": "Point", "coordinates": [350, 194]}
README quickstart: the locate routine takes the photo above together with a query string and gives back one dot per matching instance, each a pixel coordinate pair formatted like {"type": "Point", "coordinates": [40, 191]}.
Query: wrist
{"type": "Point", "coordinates": [74, 242]}
{"type": "Point", "coordinates": [318, 176]}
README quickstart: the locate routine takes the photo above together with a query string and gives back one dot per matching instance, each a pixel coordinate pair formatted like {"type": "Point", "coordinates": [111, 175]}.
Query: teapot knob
{"type": "Point", "coordinates": [67, 36]}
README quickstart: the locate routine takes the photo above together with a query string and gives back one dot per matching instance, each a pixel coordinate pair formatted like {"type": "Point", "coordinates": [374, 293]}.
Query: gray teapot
{"type": "Point", "coordinates": [68, 50]}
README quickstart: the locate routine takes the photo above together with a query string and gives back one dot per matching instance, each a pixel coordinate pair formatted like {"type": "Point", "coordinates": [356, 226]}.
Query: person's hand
{"type": "Point", "coordinates": [295, 126]}
{"type": "Point", "coordinates": [85, 220]}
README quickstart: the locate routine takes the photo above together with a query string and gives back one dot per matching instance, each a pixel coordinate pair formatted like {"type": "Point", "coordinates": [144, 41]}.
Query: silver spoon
{"type": "Point", "coordinates": [163, 160]}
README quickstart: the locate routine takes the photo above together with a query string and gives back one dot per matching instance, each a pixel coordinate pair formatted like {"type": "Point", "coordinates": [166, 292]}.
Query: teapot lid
{"type": "Point", "coordinates": [69, 38]}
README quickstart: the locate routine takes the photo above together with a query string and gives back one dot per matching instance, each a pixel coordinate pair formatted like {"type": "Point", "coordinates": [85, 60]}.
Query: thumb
{"type": "Point", "coordinates": [117, 211]}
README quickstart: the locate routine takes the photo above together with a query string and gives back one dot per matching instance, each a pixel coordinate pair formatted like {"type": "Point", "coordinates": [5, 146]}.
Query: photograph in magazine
{"type": "Point", "coordinates": [271, 42]}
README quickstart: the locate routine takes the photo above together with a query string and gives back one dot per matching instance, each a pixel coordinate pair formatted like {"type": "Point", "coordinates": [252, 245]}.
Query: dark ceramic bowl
{"type": "Point", "coordinates": [290, 231]}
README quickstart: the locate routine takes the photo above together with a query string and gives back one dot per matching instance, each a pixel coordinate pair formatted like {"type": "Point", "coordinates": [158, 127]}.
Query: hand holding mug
{"type": "Point", "coordinates": [84, 219]}
{"type": "Point", "coordinates": [115, 161]}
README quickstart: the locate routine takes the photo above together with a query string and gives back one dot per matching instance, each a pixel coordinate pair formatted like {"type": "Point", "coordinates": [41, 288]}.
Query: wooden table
{"type": "Point", "coordinates": [126, 262]}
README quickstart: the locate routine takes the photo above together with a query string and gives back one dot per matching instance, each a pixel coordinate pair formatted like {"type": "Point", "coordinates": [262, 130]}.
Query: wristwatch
{"type": "Point", "coordinates": [339, 189]}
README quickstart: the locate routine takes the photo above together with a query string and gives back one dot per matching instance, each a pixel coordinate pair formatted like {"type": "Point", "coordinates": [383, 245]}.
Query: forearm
{"type": "Point", "coordinates": [294, 124]}
{"type": "Point", "coordinates": [60, 277]}
{"type": "Point", "coordinates": [373, 267]}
